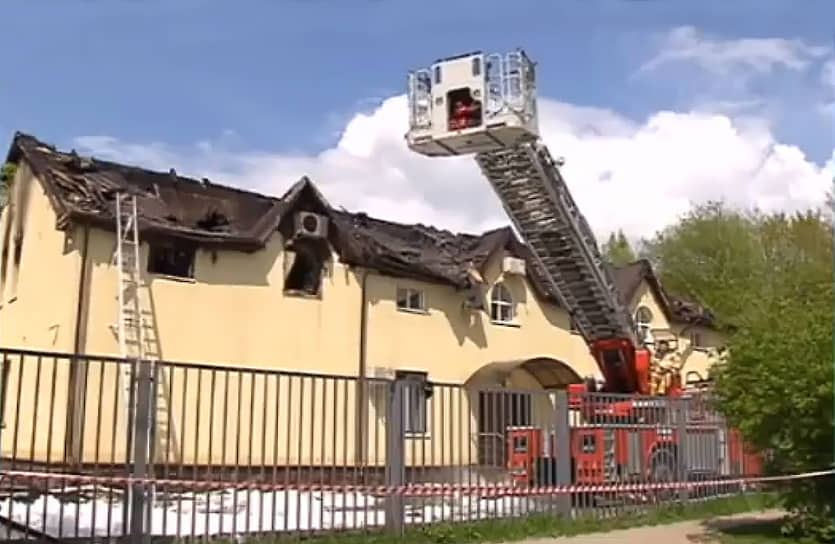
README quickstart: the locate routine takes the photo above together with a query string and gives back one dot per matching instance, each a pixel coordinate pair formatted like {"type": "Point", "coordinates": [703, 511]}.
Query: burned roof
{"type": "Point", "coordinates": [629, 277]}
{"type": "Point", "coordinates": [83, 190]}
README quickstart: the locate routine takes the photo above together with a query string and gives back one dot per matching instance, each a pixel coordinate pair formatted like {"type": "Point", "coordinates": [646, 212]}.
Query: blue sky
{"type": "Point", "coordinates": [256, 91]}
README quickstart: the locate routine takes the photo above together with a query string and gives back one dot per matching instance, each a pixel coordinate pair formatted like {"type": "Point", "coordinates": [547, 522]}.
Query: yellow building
{"type": "Point", "coordinates": [240, 280]}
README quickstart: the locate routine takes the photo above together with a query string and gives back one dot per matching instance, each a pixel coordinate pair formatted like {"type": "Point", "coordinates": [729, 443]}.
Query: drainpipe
{"type": "Point", "coordinates": [82, 308]}
{"type": "Point", "coordinates": [78, 367]}
{"type": "Point", "coordinates": [362, 395]}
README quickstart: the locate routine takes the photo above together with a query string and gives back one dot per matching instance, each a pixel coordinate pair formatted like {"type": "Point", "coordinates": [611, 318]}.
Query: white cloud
{"type": "Point", "coordinates": [724, 56]}
{"type": "Point", "coordinates": [639, 176]}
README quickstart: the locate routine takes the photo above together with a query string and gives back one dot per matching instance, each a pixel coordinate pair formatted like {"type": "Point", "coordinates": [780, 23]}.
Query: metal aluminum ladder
{"type": "Point", "coordinates": [535, 196]}
{"type": "Point", "coordinates": [136, 332]}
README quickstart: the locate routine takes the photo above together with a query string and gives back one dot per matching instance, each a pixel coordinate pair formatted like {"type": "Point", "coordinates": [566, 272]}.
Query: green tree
{"type": "Point", "coordinates": [771, 277]}
{"type": "Point", "coordinates": [7, 173]}
{"type": "Point", "coordinates": [617, 249]}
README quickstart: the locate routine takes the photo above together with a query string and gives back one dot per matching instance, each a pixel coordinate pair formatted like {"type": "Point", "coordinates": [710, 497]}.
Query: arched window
{"type": "Point", "coordinates": [502, 309]}
{"type": "Point", "coordinates": [643, 321]}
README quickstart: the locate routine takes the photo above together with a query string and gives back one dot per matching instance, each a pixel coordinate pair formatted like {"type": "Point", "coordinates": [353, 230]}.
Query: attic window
{"type": "Point", "coordinates": [502, 308]}
{"type": "Point", "coordinates": [643, 321]}
{"type": "Point", "coordinates": [410, 300]}
{"type": "Point", "coordinates": [171, 260]}
{"type": "Point", "coordinates": [305, 274]}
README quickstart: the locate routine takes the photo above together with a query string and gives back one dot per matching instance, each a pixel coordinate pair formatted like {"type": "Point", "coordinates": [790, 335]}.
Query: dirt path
{"type": "Point", "coordinates": [687, 532]}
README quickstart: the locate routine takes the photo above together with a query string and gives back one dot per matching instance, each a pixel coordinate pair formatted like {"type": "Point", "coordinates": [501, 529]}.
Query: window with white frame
{"type": "Point", "coordinates": [414, 401]}
{"type": "Point", "coordinates": [643, 321]}
{"type": "Point", "coordinates": [410, 300]}
{"type": "Point", "coordinates": [502, 309]}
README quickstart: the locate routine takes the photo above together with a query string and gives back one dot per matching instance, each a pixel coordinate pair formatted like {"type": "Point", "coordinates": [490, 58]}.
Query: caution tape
{"type": "Point", "coordinates": [414, 490]}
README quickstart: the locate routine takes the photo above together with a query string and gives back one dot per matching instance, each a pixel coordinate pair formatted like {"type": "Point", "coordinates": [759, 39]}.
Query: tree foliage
{"type": "Point", "coordinates": [7, 173]}
{"type": "Point", "coordinates": [771, 277]}
{"type": "Point", "coordinates": [617, 249]}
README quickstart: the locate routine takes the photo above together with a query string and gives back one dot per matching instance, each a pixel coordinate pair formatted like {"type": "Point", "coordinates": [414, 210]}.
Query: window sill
{"type": "Point", "coordinates": [417, 436]}
{"type": "Point", "coordinates": [302, 294]}
{"type": "Point", "coordinates": [511, 324]}
{"type": "Point", "coordinates": [169, 277]}
{"type": "Point", "coordinates": [413, 311]}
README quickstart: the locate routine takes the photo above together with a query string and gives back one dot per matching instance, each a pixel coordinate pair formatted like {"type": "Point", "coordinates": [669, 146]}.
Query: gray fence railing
{"type": "Point", "coordinates": [103, 448]}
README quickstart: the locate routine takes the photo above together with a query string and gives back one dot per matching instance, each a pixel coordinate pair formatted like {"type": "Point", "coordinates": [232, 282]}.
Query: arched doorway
{"type": "Point", "coordinates": [513, 394]}
{"type": "Point", "coordinates": [546, 372]}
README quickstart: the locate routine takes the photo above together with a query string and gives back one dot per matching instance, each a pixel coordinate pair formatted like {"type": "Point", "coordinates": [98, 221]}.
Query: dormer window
{"type": "Point", "coordinates": [502, 308]}
{"type": "Point", "coordinates": [643, 321]}
{"type": "Point", "coordinates": [410, 300]}
{"type": "Point", "coordinates": [305, 274]}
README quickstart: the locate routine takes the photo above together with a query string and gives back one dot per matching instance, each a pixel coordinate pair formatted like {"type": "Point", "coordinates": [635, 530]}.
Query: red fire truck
{"type": "Point", "coordinates": [485, 105]}
{"type": "Point", "coordinates": [635, 440]}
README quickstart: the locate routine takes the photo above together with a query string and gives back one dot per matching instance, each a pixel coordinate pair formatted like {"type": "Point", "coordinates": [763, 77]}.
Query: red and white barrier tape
{"type": "Point", "coordinates": [418, 490]}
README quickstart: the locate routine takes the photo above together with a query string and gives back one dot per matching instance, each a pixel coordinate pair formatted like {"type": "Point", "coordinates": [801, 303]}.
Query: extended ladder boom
{"type": "Point", "coordinates": [536, 198]}
{"type": "Point", "coordinates": [486, 105]}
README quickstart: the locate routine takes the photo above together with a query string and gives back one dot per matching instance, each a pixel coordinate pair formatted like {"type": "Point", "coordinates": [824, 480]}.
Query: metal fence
{"type": "Point", "coordinates": [103, 448]}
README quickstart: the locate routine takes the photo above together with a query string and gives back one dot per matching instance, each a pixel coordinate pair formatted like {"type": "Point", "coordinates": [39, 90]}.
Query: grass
{"type": "Point", "coordinates": [538, 526]}
{"type": "Point", "coordinates": [758, 533]}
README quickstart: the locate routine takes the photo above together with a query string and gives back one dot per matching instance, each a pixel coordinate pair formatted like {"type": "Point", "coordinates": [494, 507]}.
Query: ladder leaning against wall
{"type": "Point", "coordinates": [136, 331]}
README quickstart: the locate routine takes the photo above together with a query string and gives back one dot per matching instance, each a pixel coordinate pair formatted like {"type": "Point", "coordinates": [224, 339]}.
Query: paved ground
{"type": "Point", "coordinates": [689, 532]}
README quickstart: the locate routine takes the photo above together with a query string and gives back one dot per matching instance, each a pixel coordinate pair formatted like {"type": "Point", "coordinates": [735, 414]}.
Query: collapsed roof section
{"type": "Point", "coordinates": [83, 190]}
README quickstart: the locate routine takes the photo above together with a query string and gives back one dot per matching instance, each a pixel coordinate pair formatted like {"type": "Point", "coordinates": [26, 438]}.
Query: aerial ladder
{"type": "Point", "coordinates": [486, 105]}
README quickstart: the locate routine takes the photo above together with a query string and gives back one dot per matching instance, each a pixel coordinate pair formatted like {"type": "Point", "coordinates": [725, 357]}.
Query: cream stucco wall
{"type": "Point", "coordinates": [235, 314]}
{"type": "Point", "coordinates": [694, 358]}
{"type": "Point", "coordinates": [699, 358]}
{"type": "Point", "coordinates": [40, 295]}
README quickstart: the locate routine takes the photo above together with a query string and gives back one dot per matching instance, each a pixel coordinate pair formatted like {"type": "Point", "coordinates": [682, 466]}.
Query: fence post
{"type": "Point", "coordinates": [682, 457]}
{"type": "Point", "coordinates": [395, 456]}
{"type": "Point", "coordinates": [142, 426]}
{"type": "Point", "coordinates": [563, 452]}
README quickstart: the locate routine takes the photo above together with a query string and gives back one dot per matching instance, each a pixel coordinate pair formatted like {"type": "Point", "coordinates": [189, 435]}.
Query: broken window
{"type": "Point", "coordinates": [7, 232]}
{"type": "Point", "coordinates": [305, 275]}
{"type": "Point", "coordinates": [410, 300]}
{"type": "Point", "coordinates": [171, 260]}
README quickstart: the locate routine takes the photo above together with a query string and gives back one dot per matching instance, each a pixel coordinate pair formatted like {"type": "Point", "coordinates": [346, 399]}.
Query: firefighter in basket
{"type": "Point", "coordinates": [666, 363]}
{"type": "Point", "coordinates": [463, 115]}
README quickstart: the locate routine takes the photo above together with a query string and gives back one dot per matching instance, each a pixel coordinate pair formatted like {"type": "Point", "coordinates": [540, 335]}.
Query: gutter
{"type": "Point", "coordinates": [362, 401]}
{"type": "Point", "coordinates": [78, 366]}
